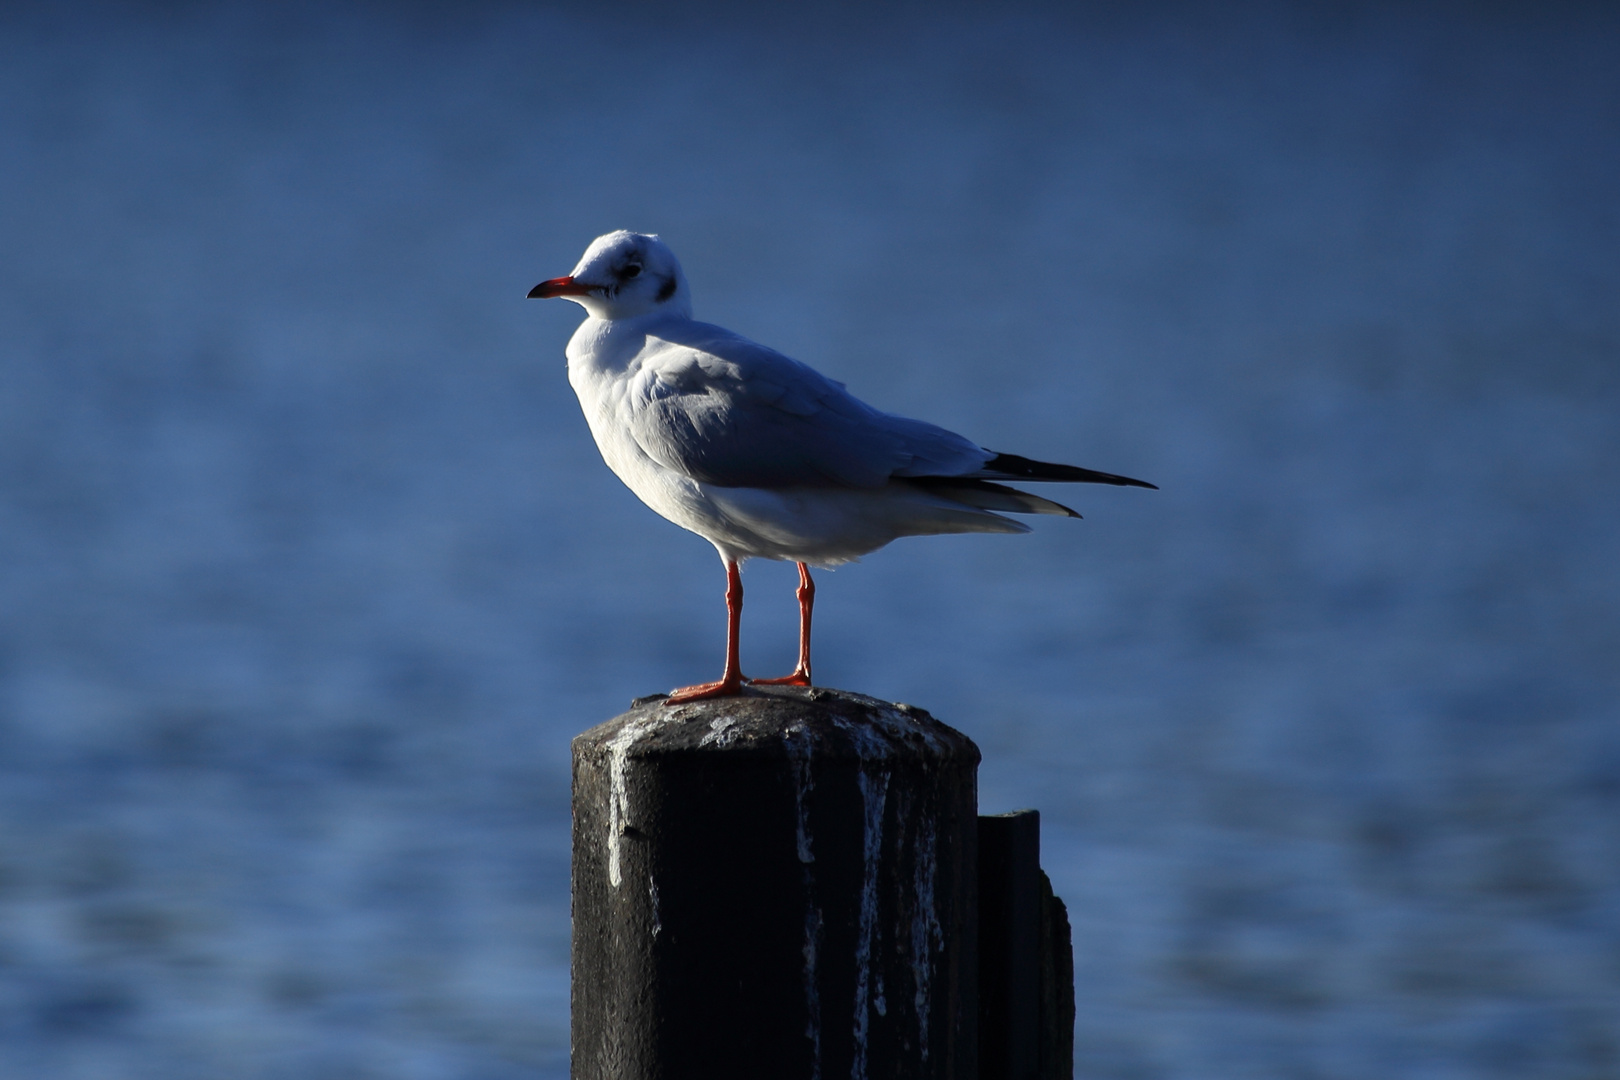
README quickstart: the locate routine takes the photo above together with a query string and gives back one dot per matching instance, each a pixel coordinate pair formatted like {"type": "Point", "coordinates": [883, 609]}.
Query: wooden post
{"type": "Point", "coordinates": [780, 885]}
{"type": "Point", "coordinates": [1026, 961]}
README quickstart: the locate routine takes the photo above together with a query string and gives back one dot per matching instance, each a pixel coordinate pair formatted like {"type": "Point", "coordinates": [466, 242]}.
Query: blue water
{"type": "Point", "coordinates": [310, 569]}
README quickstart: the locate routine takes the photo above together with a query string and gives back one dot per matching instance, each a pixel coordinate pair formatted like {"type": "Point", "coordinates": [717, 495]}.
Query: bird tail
{"type": "Point", "coordinates": [984, 495]}
{"type": "Point", "coordinates": [1013, 467]}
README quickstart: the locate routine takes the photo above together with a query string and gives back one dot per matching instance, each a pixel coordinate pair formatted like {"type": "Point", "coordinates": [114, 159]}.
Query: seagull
{"type": "Point", "coordinates": [762, 455]}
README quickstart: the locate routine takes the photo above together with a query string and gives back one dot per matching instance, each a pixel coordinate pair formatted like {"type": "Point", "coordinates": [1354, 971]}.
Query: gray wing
{"type": "Point", "coordinates": [726, 411]}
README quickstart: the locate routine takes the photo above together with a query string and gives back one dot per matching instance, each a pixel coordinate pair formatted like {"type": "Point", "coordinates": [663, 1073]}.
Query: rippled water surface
{"type": "Point", "coordinates": [310, 569]}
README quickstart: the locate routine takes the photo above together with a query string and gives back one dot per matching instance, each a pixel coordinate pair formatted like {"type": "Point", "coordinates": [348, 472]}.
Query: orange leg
{"type": "Point", "coordinates": [730, 683]}
{"type": "Point", "coordinates": [807, 600]}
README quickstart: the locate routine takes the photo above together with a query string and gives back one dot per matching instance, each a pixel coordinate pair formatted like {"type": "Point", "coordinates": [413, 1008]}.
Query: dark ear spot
{"type": "Point", "coordinates": [667, 290]}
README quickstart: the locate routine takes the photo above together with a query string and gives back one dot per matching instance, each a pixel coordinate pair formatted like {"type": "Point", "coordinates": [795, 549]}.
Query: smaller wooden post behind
{"type": "Point", "coordinates": [779, 886]}
{"type": "Point", "coordinates": [1026, 961]}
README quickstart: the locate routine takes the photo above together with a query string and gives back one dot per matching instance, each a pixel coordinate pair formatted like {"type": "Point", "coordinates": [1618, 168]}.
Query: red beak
{"type": "Point", "coordinates": [558, 286]}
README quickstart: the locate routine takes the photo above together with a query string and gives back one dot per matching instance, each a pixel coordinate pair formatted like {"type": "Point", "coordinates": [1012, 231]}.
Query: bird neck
{"type": "Point", "coordinates": [609, 345]}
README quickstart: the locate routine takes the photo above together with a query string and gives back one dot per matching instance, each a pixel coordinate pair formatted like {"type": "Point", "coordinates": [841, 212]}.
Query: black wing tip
{"type": "Point", "coordinates": [1012, 465]}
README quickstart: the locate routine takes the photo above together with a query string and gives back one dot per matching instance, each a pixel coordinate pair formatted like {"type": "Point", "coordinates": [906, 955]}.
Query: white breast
{"type": "Point", "coordinates": [604, 359]}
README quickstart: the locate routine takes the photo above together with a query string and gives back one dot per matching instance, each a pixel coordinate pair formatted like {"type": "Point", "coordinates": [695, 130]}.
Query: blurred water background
{"type": "Point", "coordinates": [310, 569]}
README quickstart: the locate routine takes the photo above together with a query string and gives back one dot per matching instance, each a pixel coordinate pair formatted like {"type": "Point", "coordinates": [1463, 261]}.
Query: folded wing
{"type": "Point", "coordinates": [726, 411]}
{"type": "Point", "coordinates": [729, 412]}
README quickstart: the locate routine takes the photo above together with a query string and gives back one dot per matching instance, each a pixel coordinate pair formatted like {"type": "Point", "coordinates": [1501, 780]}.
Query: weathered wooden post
{"type": "Point", "coordinates": [780, 885]}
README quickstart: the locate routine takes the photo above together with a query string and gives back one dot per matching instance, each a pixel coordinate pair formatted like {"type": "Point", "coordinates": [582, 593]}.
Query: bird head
{"type": "Point", "coordinates": [621, 276]}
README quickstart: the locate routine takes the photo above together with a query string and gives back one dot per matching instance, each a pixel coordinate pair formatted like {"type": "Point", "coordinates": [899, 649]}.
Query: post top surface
{"type": "Point", "coordinates": [777, 722]}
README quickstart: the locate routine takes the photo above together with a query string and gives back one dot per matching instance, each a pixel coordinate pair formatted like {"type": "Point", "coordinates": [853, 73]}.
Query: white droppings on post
{"type": "Point", "coordinates": [927, 938]}
{"type": "Point", "coordinates": [874, 794]}
{"type": "Point", "coordinates": [652, 892]}
{"type": "Point", "coordinates": [618, 749]}
{"type": "Point", "coordinates": [812, 989]}
{"type": "Point", "coordinates": [720, 732]}
{"type": "Point", "coordinates": [870, 744]}
{"type": "Point", "coordinates": [891, 726]}
{"type": "Point", "coordinates": [797, 741]}
{"type": "Point", "coordinates": [901, 720]}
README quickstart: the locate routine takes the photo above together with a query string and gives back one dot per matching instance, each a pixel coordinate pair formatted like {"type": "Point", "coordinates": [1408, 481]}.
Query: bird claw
{"type": "Point", "coordinates": [731, 687]}
{"type": "Point", "coordinates": [798, 678]}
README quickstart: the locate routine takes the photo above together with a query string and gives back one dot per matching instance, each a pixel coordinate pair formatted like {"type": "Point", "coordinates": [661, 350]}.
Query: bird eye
{"type": "Point", "coordinates": [630, 271]}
